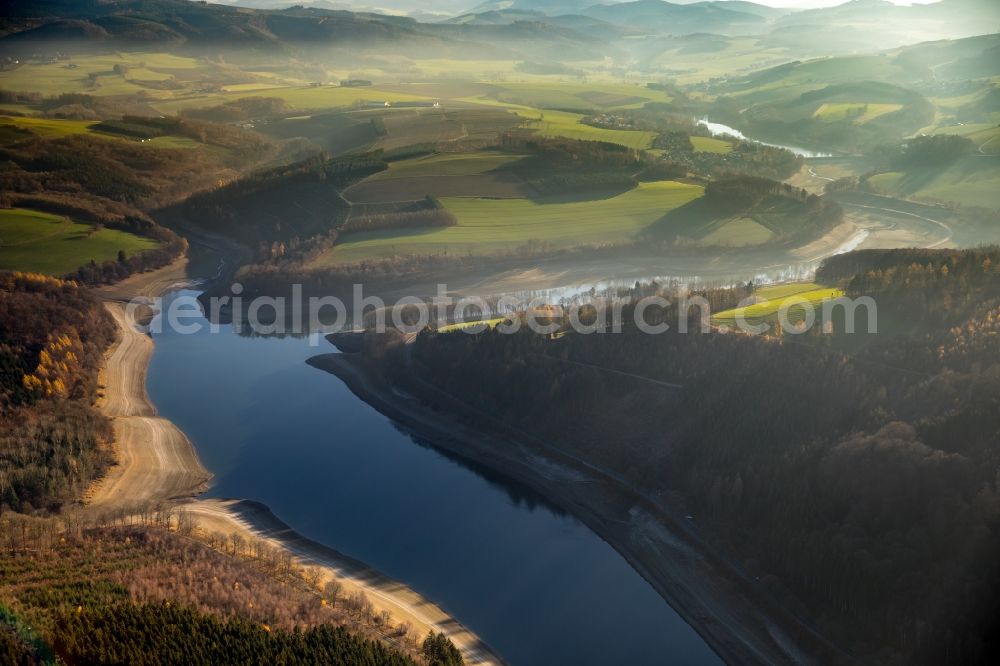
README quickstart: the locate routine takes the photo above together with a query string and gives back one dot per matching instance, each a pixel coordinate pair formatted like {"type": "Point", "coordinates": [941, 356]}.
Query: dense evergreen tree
{"type": "Point", "coordinates": [157, 634]}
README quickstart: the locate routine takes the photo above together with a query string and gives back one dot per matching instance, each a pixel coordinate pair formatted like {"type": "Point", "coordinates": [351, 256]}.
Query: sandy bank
{"type": "Point", "coordinates": [253, 519]}
{"type": "Point", "coordinates": [155, 460]}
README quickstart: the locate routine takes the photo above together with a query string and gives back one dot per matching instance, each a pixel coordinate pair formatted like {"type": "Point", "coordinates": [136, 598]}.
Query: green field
{"type": "Point", "coordinates": [74, 75]}
{"type": "Point", "coordinates": [736, 232]}
{"type": "Point", "coordinates": [300, 97]}
{"type": "Point", "coordinates": [551, 123]}
{"type": "Point", "coordinates": [971, 181]}
{"type": "Point", "coordinates": [50, 127]}
{"type": "Point", "coordinates": [860, 112]}
{"type": "Point", "coordinates": [707, 144]}
{"type": "Point", "coordinates": [445, 164]}
{"type": "Point", "coordinates": [809, 75]}
{"type": "Point", "coordinates": [562, 95]}
{"type": "Point", "coordinates": [489, 225]}
{"type": "Point", "coordinates": [440, 175]}
{"type": "Point", "coordinates": [55, 128]}
{"type": "Point", "coordinates": [44, 243]}
{"type": "Point", "coordinates": [564, 124]}
{"type": "Point", "coordinates": [173, 142]}
{"type": "Point", "coordinates": [776, 296]}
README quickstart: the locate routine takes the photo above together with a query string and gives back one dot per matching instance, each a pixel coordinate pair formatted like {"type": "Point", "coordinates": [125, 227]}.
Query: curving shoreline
{"type": "Point", "coordinates": [738, 622]}
{"type": "Point", "coordinates": [156, 462]}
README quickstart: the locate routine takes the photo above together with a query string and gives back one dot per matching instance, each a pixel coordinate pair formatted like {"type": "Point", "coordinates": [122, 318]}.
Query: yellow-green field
{"type": "Point", "coordinates": [707, 144]}
{"type": "Point", "coordinates": [772, 299]}
{"type": "Point", "coordinates": [860, 112]}
{"type": "Point", "coordinates": [44, 243]}
{"type": "Point", "coordinates": [51, 127]}
{"type": "Point", "coordinates": [564, 124]}
{"type": "Point", "coordinates": [174, 142]}
{"type": "Point", "coordinates": [490, 225]}
{"type": "Point", "coordinates": [490, 323]}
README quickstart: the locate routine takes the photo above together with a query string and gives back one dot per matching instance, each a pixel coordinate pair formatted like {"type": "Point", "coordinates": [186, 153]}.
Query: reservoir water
{"type": "Point", "coordinates": [718, 129]}
{"type": "Point", "coordinates": [533, 582]}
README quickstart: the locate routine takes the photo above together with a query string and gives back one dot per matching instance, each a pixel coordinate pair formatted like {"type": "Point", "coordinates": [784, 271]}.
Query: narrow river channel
{"type": "Point", "coordinates": [718, 129]}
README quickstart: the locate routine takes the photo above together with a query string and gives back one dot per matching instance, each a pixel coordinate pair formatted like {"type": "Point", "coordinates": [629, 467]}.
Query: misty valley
{"type": "Point", "coordinates": [506, 332]}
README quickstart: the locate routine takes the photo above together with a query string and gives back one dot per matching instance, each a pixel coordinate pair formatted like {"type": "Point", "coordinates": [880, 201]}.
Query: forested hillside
{"type": "Point", "coordinates": [52, 441]}
{"type": "Point", "coordinates": [254, 210]}
{"type": "Point", "coordinates": [860, 488]}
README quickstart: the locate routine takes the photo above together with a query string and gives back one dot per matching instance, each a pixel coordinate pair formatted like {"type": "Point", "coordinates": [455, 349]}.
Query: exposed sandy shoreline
{"type": "Point", "coordinates": [156, 462]}
{"type": "Point", "coordinates": [734, 618]}
{"type": "Point", "coordinates": [404, 604]}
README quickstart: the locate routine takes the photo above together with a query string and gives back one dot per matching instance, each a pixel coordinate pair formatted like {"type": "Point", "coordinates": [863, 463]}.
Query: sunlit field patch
{"type": "Point", "coordinates": [49, 127]}
{"type": "Point", "coordinates": [772, 299]}
{"type": "Point", "coordinates": [489, 225]}
{"type": "Point", "coordinates": [859, 112]}
{"type": "Point", "coordinates": [44, 243]}
{"type": "Point", "coordinates": [707, 144]}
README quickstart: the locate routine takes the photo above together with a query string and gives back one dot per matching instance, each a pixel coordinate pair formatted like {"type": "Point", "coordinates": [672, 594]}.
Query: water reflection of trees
{"type": "Point", "coordinates": [519, 493]}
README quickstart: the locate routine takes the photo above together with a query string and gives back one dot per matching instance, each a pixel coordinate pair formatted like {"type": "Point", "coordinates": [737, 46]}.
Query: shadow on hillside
{"type": "Point", "coordinates": [685, 221]}
{"type": "Point", "coordinates": [572, 197]}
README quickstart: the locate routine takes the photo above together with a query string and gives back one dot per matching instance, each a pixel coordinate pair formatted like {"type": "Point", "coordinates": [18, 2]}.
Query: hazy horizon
{"type": "Point", "coordinates": [422, 5]}
{"type": "Point", "coordinates": [500, 332]}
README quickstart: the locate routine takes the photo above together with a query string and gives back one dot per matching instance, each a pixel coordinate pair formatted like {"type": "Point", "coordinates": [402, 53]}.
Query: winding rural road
{"type": "Point", "coordinates": [938, 243]}
{"type": "Point", "coordinates": [813, 173]}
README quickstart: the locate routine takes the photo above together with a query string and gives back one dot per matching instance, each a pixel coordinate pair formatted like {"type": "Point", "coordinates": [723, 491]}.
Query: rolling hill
{"type": "Point", "coordinates": [858, 100]}
{"type": "Point", "coordinates": [657, 17]}
{"type": "Point", "coordinates": [195, 26]}
{"type": "Point", "coordinates": [851, 117]}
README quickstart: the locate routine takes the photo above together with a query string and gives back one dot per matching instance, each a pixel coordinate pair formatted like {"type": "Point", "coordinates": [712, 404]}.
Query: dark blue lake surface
{"type": "Point", "coordinates": [535, 584]}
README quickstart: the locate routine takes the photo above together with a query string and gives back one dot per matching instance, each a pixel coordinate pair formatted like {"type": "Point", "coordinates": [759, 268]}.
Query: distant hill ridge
{"type": "Point", "coordinates": [560, 30]}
